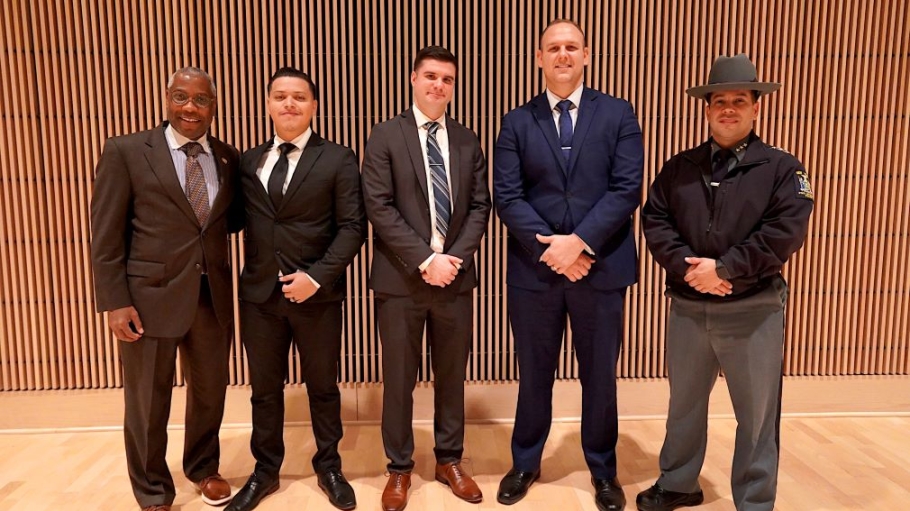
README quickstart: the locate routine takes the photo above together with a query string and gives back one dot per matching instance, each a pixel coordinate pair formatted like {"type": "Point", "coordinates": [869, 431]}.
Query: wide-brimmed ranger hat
{"type": "Point", "coordinates": [732, 73]}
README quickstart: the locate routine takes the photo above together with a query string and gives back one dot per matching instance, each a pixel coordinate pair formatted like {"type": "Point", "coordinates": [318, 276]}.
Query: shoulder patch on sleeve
{"type": "Point", "coordinates": [803, 188]}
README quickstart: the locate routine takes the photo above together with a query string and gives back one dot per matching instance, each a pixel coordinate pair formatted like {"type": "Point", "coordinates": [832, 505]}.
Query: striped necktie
{"type": "Point", "coordinates": [441, 195]}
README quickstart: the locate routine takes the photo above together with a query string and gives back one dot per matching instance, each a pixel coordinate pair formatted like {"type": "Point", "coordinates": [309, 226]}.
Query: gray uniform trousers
{"type": "Point", "coordinates": [745, 339]}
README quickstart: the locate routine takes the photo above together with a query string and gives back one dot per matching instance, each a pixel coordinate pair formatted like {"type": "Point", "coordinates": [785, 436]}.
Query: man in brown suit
{"type": "Point", "coordinates": [161, 212]}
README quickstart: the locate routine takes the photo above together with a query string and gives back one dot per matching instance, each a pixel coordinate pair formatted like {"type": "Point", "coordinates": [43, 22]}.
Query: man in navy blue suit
{"type": "Point", "coordinates": [567, 177]}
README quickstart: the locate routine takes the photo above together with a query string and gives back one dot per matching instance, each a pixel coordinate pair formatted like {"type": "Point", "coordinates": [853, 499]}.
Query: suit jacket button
{"type": "Point", "coordinates": [278, 252]}
{"type": "Point", "coordinates": [198, 266]}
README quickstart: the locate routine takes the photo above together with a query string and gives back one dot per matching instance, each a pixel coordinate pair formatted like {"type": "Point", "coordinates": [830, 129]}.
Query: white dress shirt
{"type": "Point", "coordinates": [206, 160]}
{"type": "Point", "coordinates": [271, 158]}
{"type": "Point", "coordinates": [437, 241]}
{"type": "Point", "coordinates": [575, 98]}
{"type": "Point", "coordinates": [264, 171]}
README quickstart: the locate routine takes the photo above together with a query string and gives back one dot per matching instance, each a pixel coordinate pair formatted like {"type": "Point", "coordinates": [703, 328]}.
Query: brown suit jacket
{"type": "Point", "coordinates": [148, 249]}
{"type": "Point", "coordinates": [395, 194]}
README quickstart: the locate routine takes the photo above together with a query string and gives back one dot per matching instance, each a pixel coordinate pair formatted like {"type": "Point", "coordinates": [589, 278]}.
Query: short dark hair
{"type": "Point", "coordinates": [755, 95]}
{"type": "Point", "coordinates": [192, 71]}
{"type": "Point", "coordinates": [434, 53]}
{"type": "Point", "coordinates": [290, 72]}
{"type": "Point", "coordinates": [560, 21]}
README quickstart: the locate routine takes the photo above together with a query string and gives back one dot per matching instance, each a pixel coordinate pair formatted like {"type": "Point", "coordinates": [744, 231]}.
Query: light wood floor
{"type": "Point", "coordinates": [826, 464]}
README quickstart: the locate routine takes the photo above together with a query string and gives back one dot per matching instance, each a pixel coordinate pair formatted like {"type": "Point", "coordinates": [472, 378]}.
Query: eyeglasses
{"type": "Point", "coordinates": [181, 98]}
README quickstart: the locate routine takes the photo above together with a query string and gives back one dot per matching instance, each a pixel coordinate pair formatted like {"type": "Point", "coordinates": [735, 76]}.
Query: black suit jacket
{"type": "Point", "coordinates": [395, 194]}
{"type": "Point", "coordinates": [148, 249]}
{"type": "Point", "coordinates": [318, 228]}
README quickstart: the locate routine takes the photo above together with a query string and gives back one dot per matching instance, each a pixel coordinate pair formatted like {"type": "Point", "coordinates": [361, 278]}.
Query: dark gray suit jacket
{"type": "Point", "coordinates": [395, 194]}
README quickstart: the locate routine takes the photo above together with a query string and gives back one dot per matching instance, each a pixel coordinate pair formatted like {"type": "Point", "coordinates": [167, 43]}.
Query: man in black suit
{"type": "Point", "coordinates": [426, 194]}
{"type": "Point", "coordinates": [304, 225]}
{"type": "Point", "coordinates": [162, 208]}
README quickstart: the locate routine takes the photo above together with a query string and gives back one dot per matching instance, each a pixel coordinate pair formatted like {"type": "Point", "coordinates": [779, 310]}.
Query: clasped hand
{"type": "Point", "coordinates": [442, 270]}
{"type": "Point", "coordinates": [297, 286]}
{"type": "Point", "coordinates": [702, 276]}
{"type": "Point", "coordinates": [565, 255]}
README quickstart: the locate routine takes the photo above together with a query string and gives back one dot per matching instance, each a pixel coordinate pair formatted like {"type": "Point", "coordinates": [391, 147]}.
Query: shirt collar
{"type": "Point", "coordinates": [175, 140]}
{"type": "Point", "coordinates": [300, 142]}
{"type": "Point", "coordinates": [739, 149]}
{"type": "Point", "coordinates": [575, 97]}
{"type": "Point", "coordinates": [421, 118]}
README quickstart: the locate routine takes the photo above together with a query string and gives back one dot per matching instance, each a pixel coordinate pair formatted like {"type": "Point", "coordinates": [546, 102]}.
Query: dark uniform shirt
{"type": "Point", "coordinates": [755, 219]}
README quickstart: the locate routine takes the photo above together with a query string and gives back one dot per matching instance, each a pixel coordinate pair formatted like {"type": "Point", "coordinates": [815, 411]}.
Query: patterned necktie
{"type": "Point", "coordinates": [279, 174]}
{"type": "Point", "coordinates": [721, 164]}
{"type": "Point", "coordinates": [441, 195]}
{"type": "Point", "coordinates": [197, 192]}
{"type": "Point", "coordinates": [565, 128]}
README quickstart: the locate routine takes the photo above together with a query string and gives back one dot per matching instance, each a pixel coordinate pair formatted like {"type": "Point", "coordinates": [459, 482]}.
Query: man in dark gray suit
{"type": "Point", "coordinates": [426, 194]}
{"type": "Point", "coordinates": [162, 208]}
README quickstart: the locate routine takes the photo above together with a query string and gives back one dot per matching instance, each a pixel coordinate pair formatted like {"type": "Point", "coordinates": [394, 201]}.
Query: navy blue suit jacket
{"type": "Point", "coordinates": [593, 196]}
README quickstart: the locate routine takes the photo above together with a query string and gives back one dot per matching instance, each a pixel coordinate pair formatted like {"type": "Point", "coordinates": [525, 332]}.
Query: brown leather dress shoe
{"type": "Point", "coordinates": [462, 485]}
{"type": "Point", "coordinates": [395, 495]}
{"type": "Point", "coordinates": [214, 489]}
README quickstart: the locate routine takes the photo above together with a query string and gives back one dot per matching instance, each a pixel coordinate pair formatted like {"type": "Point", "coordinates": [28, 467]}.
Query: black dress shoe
{"type": "Point", "coordinates": [256, 488]}
{"type": "Point", "coordinates": [336, 487]}
{"type": "Point", "coordinates": [656, 498]}
{"type": "Point", "coordinates": [514, 486]}
{"type": "Point", "coordinates": [608, 494]}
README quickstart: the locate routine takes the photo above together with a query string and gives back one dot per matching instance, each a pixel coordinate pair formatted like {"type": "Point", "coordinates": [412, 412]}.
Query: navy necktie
{"type": "Point", "coordinates": [279, 174]}
{"type": "Point", "coordinates": [565, 128]}
{"type": "Point", "coordinates": [441, 195]}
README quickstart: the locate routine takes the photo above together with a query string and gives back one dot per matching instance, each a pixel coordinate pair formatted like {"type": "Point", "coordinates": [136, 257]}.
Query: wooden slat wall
{"type": "Point", "coordinates": [76, 72]}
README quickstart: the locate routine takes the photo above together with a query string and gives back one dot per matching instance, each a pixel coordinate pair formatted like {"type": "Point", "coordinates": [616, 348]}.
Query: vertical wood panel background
{"type": "Point", "coordinates": [75, 72]}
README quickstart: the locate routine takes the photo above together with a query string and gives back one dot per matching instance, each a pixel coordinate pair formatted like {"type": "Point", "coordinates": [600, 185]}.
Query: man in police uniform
{"type": "Point", "coordinates": [722, 219]}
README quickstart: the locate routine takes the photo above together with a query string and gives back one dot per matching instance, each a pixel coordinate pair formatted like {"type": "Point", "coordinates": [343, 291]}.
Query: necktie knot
{"type": "Point", "coordinates": [722, 156]}
{"type": "Point", "coordinates": [286, 148]}
{"type": "Point", "coordinates": [192, 149]}
{"type": "Point", "coordinates": [432, 127]}
{"type": "Point", "coordinates": [564, 106]}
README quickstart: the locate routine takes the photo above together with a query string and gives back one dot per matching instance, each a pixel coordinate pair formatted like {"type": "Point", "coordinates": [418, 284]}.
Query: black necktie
{"type": "Point", "coordinates": [721, 164]}
{"type": "Point", "coordinates": [279, 174]}
{"type": "Point", "coordinates": [565, 128]}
